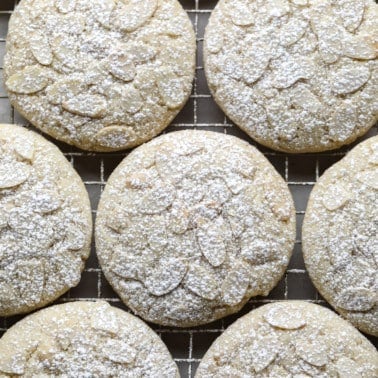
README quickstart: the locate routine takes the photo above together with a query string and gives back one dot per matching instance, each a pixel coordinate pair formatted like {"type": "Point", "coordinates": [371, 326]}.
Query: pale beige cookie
{"type": "Point", "coordinates": [340, 236]}
{"type": "Point", "coordinates": [103, 75]}
{"type": "Point", "coordinates": [296, 75]}
{"type": "Point", "coordinates": [193, 224]}
{"type": "Point", "coordinates": [290, 339]}
{"type": "Point", "coordinates": [84, 339]}
{"type": "Point", "coordinates": [45, 222]}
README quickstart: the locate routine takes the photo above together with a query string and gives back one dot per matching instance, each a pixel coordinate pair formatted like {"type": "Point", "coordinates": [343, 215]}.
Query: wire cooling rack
{"type": "Point", "coordinates": [299, 171]}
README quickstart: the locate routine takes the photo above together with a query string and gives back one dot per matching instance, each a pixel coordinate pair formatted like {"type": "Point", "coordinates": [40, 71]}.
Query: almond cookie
{"type": "Point", "coordinates": [340, 236]}
{"type": "Point", "coordinates": [193, 224]}
{"type": "Point", "coordinates": [290, 339]}
{"type": "Point", "coordinates": [45, 222]}
{"type": "Point", "coordinates": [103, 75]}
{"type": "Point", "coordinates": [84, 339]}
{"type": "Point", "coordinates": [295, 75]}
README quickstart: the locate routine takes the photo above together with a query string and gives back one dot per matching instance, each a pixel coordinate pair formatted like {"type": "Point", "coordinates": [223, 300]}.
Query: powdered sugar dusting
{"type": "Point", "coordinates": [101, 75]}
{"type": "Point", "coordinates": [282, 69]}
{"type": "Point", "coordinates": [45, 222]}
{"type": "Point", "coordinates": [171, 237]}
{"type": "Point", "coordinates": [340, 236]}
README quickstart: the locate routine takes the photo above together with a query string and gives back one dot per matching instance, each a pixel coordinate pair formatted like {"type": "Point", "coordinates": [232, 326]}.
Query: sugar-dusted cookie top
{"type": "Point", "coordinates": [84, 339]}
{"type": "Point", "coordinates": [102, 75]}
{"type": "Point", "coordinates": [340, 236]}
{"type": "Point", "coordinates": [45, 222]}
{"type": "Point", "coordinates": [296, 75]}
{"type": "Point", "coordinates": [193, 224]}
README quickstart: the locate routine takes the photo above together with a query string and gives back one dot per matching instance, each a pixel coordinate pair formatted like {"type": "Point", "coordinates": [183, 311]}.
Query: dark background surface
{"type": "Point", "coordinates": [300, 171]}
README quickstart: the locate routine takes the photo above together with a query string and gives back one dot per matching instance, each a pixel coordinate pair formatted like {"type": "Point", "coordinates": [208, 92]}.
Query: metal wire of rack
{"type": "Point", "coordinates": [201, 112]}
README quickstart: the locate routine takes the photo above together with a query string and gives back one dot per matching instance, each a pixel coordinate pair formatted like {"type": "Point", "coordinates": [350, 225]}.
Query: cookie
{"type": "Point", "coordinates": [103, 75]}
{"type": "Point", "coordinates": [298, 75]}
{"type": "Point", "coordinates": [193, 224]}
{"type": "Point", "coordinates": [340, 236]}
{"type": "Point", "coordinates": [290, 339]}
{"type": "Point", "coordinates": [45, 222]}
{"type": "Point", "coordinates": [84, 339]}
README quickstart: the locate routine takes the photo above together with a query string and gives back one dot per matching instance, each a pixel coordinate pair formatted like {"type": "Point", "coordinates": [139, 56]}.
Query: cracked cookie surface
{"type": "Point", "coordinates": [82, 339]}
{"type": "Point", "coordinates": [103, 75]}
{"type": "Point", "coordinates": [340, 236]}
{"type": "Point", "coordinates": [193, 224]}
{"type": "Point", "coordinates": [290, 339]}
{"type": "Point", "coordinates": [45, 222]}
{"type": "Point", "coordinates": [296, 75]}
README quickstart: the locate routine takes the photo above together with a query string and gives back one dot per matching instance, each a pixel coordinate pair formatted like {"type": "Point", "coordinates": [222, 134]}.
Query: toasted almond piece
{"type": "Point", "coordinates": [285, 318]}
{"type": "Point", "coordinates": [140, 52]}
{"type": "Point", "coordinates": [178, 219]}
{"type": "Point", "coordinates": [240, 13]}
{"type": "Point", "coordinates": [40, 47]}
{"type": "Point", "coordinates": [171, 90]}
{"type": "Point", "coordinates": [357, 299]}
{"type": "Point", "coordinates": [157, 199]}
{"type": "Point", "coordinates": [46, 201]}
{"type": "Point", "coordinates": [349, 78]}
{"type": "Point", "coordinates": [336, 197]}
{"type": "Point", "coordinates": [254, 249]}
{"type": "Point", "coordinates": [14, 364]}
{"type": "Point", "coordinates": [255, 62]}
{"type": "Point", "coordinates": [107, 322]}
{"type": "Point", "coordinates": [277, 8]}
{"type": "Point", "coordinates": [263, 352]}
{"type": "Point", "coordinates": [129, 17]}
{"type": "Point", "coordinates": [313, 352]}
{"type": "Point", "coordinates": [31, 79]}
{"type": "Point", "coordinates": [214, 41]}
{"type": "Point", "coordinates": [117, 221]}
{"type": "Point", "coordinates": [140, 180]}
{"type": "Point", "coordinates": [65, 50]}
{"type": "Point", "coordinates": [299, 2]}
{"type": "Point", "coordinates": [210, 240]}
{"type": "Point", "coordinates": [64, 89]}
{"type": "Point", "coordinates": [166, 276]}
{"type": "Point", "coordinates": [369, 177]}
{"type": "Point", "coordinates": [75, 238]}
{"type": "Point", "coordinates": [359, 47]}
{"type": "Point", "coordinates": [131, 100]}
{"type": "Point", "coordinates": [127, 264]}
{"type": "Point", "coordinates": [281, 207]}
{"type": "Point", "coordinates": [351, 12]}
{"type": "Point", "coordinates": [7, 293]}
{"type": "Point", "coordinates": [118, 351]}
{"type": "Point", "coordinates": [116, 136]}
{"type": "Point", "coordinates": [236, 284]}
{"type": "Point", "coordinates": [47, 348]}
{"type": "Point", "coordinates": [86, 105]}
{"type": "Point", "coordinates": [65, 6]}
{"type": "Point", "coordinates": [3, 223]}
{"type": "Point", "coordinates": [292, 31]}
{"type": "Point", "coordinates": [342, 122]}
{"type": "Point", "coordinates": [24, 147]}
{"type": "Point", "coordinates": [347, 368]}
{"type": "Point", "coordinates": [303, 98]}
{"type": "Point", "coordinates": [103, 10]}
{"type": "Point", "coordinates": [13, 174]}
{"type": "Point", "coordinates": [290, 71]}
{"type": "Point", "coordinates": [122, 66]}
{"type": "Point", "coordinates": [202, 281]}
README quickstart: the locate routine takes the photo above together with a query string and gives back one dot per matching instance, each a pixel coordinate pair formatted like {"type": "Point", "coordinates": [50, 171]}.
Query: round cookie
{"type": "Point", "coordinates": [103, 75]}
{"type": "Point", "coordinates": [84, 339]}
{"type": "Point", "coordinates": [340, 236]}
{"type": "Point", "coordinates": [290, 339]}
{"type": "Point", "coordinates": [295, 75]}
{"type": "Point", "coordinates": [45, 222]}
{"type": "Point", "coordinates": [193, 224]}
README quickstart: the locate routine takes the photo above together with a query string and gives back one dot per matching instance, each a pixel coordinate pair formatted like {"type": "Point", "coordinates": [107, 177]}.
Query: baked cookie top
{"type": "Point", "coordinates": [290, 339]}
{"type": "Point", "coordinates": [102, 75]}
{"type": "Point", "coordinates": [193, 224]}
{"type": "Point", "coordinates": [45, 222]}
{"type": "Point", "coordinates": [340, 236]}
{"type": "Point", "coordinates": [84, 339]}
{"type": "Point", "coordinates": [298, 75]}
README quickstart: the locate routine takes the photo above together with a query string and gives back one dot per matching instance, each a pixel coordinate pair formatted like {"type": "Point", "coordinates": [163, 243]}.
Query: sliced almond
{"type": "Point", "coordinates": [263, 352]}
{"type": "Point", "coordinates": [32, 272]}
{"type": "Point", "coordinates": [347, 368]}
{"type": "Point", "coordinates": [349, 78]}
{"type": "Point", "coordinates": [126, 263]}
{"type": "Point", "coordinates": [75, 239]}
{"type": "Point", "coordinates": [202, 281]}
{"type": "Point", "coordinates": [277, 8]}
{"type": "Point", "coordinates": [47, 348]}
{"type": "Point", "coordinates": [157, 199]}
{"type": "Point", "coordinates": [65, 6]}
{"type": "Point", "coordinates": [342, 122]}
{"type": "Point", "coordinates": [140, 52]}
{"type": "Point", "coordinates": [281, 206]}
{"type": "Point", "coordinates": [14, 364]}
{"type": "Point", "coordinates": [240, 13]}
{"type": "Point", "coordinates": [24, 147]}
{"type": "Point", "coordinates": [166, 276]}
{"type": "Point", "coordinates": [303, 98]}
{"type": "Point", "coordinates": [255, 62]}
{"type": "Point", "coordinates": [134, 14]}
{"type": "Point", "coordinates": [64, 89]}
{"type": "Point", "coordinates": [313, 352]}
{"type": "Point", "coordinates": [140, 180]}
{"type": "Point", "coordinates": [119, 351]}
{"type": "Point", "coordinates": [171, 90]}
{"type": "Point", "coordinates": [292, 31]}
{"type": "Point", "coordinates": [335, 197]}
{"type": "Point", "coordinates": [359, 47]}
{"type": "Point", "coordinates": [214, 41]}
{"type": "Point", "coordinates": [107, 322]}
{"type": "Point", "coordinates": [116, 136]}
{"type": "Point", "coordinates": [300, 2]}
{"type": "Point", "coordinates": [236, 284]}
{"type": "Point", "coordinates": [13, 174]}
{"type": "Point", "coordinates": [210, 240]}
{"type": "Point", "coordinates": [130, 101]}
{"type": "Point", "coordinates": [285, 318]}
{"type": "Point", "coordinates": [122, 66]}
{"type": "Point", "coordinates": [31, 79]}
{"type": "Point", "coordinates": [351, 12]}
{"type": "Point", "coordinates": [178, 219]}
{"type": "Point", "coordinates": [46, 201]}
{"type": "Point", "coordinates": [290, 71]}
{"type": "Point", "coordinates": [87, 105]}
{"type": "Point", "coordinates": [40, 47]}
{"type": "Point", "coordinates": [255, 249]}
{"type": "Point", "coordinates": [103, 10]}
{"type": "Point", "coordinates": [369, 178]}
{"type": "Point", "coordinates": [357, 299]}
{"type": "Point", "coordinates": [65, 49]}
{"type": "Point", "coordinates": [7, 293]}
